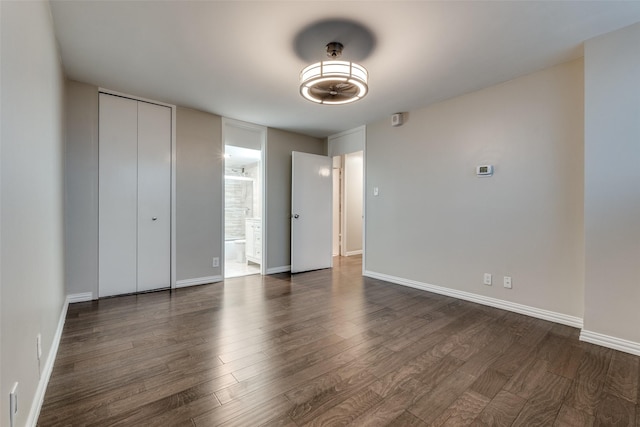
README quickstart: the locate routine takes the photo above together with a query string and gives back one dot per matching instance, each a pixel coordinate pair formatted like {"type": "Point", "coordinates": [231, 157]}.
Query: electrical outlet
{"type": "Point", "coordinates": [507, 282]}
{"type": "Point", "coordinates": [216, 262]}
{"type": "Point", "coordinates": [13, 404]}
{"type": "Point", "coordinates": [487, 279]}
{"type": "Point", "coordinates": [39, 346]}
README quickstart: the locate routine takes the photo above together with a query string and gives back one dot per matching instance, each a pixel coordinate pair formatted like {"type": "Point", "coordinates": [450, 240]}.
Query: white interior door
{"type": "Point", "coordinates": [154, 196]}
{"type": "Point", "coordinates": [118, 195]}
{"type": "Point", "coordinates": [311, 212]}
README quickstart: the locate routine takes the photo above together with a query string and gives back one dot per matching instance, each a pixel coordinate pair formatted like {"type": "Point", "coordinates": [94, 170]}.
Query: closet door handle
{"type": "Point", "coordinates": [154, 218]}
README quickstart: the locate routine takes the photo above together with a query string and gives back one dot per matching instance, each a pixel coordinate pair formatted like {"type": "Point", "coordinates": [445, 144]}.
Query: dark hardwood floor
{"type": "Point", "coordinates": [328, 348]}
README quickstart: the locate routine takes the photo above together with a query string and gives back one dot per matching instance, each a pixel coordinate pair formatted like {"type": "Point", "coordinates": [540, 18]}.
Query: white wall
{"type": "Point", "coordinates": [434, 222]}
{"type": "Point", "coordinates": [32, 219]}
{"type": "Point", "coordinates": [612, 185]}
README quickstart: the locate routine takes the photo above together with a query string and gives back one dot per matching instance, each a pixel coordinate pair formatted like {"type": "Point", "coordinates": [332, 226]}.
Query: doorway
{"type": "Point", "coordinates": [243, 198]}
{"type": "Point", "coordinates": [348, 173]}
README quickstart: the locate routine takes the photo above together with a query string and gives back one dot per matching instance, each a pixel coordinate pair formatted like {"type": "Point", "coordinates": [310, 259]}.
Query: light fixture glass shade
{"type": "Point", "coordinates": [334, 82]}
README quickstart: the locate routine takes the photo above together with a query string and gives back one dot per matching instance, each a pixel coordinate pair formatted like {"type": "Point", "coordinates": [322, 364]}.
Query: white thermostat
{"type": "Point", "coordinates": [484, 170]}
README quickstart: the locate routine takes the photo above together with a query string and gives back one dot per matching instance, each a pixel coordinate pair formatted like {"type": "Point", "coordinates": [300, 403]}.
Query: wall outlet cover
{"type": "Point", "coordinates": [487, 279]}
{"type": "Point", "coordinates": [507, 282]}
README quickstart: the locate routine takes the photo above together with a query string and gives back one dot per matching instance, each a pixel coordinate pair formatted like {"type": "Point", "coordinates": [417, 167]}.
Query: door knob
{"type": "Point", "coordinates": [296, 216]}
{"type": "Point", "coordinates": [154, 218]}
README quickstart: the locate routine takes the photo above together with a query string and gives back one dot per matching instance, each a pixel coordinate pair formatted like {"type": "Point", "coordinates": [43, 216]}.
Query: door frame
{"type": "Point", "coordinates": [172, 268]}
{"type": "Point", "coordinates": [346, 142]}
{"type": "Point", "coordinates": [345, 195]}
{"type": "Point", "coordinates": [263, 177]}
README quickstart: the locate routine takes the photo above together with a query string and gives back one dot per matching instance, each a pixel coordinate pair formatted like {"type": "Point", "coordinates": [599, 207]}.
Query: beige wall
{"type": "Point", "coordinates": [435, 222]}
{"type": "Point", "coordinates": [612, 185]}
{"type": "Point", "coordinates": [200, 165]}
{"type": "Point", "coordinates": [32, 189]}
{"type": "Point", "coordinates": [280, 144]}
{"type": "Point", "coordinates": [81, 188]}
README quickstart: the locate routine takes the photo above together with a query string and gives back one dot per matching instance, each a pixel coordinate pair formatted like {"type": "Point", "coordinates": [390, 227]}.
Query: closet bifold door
{"type": "Point", "coordinates": [118, 196]}
{"type": "Point", "coordinates": [154, 196]}
{"type": "Point", "coordinates": [134, 224]}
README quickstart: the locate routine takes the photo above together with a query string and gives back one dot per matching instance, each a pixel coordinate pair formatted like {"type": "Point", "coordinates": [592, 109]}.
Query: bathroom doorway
{"type": "Point", "coordinates": [243, 199]}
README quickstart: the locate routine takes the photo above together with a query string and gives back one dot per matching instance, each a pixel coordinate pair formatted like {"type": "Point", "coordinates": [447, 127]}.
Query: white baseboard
{"type": "Point", "coordinates": [630, 347]}
{"type": "Point", "coordinates": [281, 269]}
{"type": "Point", "coordinates": [539, 313]}
{"type": "Point", "coordinates": [38, 398]}
{"type": "Point", "coordinates": [351, 253]}
{"type": "Point", "coordinates": [198, 281]}
{"type": "Point", "coordinates": [82, 297]}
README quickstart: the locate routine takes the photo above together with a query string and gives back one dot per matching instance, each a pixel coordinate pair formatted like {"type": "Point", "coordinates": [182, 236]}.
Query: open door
{"type": "Point", "coordinates": [311, 212]}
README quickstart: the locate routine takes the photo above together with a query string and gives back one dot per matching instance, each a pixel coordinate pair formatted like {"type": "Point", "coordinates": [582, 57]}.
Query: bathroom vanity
{"type": "Point", "coordinates": [253, 236]}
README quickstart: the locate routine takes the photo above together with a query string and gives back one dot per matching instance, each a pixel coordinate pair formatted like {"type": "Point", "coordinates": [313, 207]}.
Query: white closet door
{"type": "Point", "coordinates": [154, 196]}
{"type": "Point", "coordinates": [118, 195]}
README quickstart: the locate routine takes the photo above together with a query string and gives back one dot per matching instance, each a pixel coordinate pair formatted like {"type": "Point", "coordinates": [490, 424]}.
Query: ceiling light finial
{"type": "Point", "coordinates": [334, 50]}
{"type": "Point", "coordinates": [334, 82]}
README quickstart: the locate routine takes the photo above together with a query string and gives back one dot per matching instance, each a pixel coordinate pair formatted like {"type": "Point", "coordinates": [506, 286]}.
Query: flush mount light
{"type": "Point", "coordinates": [334, 82]}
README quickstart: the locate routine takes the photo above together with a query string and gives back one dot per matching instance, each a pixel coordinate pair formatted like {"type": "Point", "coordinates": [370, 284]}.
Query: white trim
{"type": "Point", "coordinates": [174, 171]}
{"type": "Point", "coordinates": [351, 253]}
{"type": "Point", "coordinates": [539, 313]}
{"type": "Point", "coordinates": [81, 297]}
{"type": "Point", "coordinates": [342, 237]}
{"type": "Point", "coordinates": [364, 201]}
{"type": "Point", "coordinates": [282, 269]}
{"type": "Point", "coordinates": [198, 281]}
{"type": "Point", "coordinates": [38, 398]}
{"type": "Point", "coordinates": [263, 196]}
{"type": "Point", "coordinates": [630, 347]}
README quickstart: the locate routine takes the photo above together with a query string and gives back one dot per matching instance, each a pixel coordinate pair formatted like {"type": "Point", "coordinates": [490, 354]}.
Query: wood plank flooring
{"type": "Point", "coordinates": [323, 348]}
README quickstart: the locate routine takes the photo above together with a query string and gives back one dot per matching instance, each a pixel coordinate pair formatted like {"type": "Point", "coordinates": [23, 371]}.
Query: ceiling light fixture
{"type": "Point", "coordinates": [334, 82]}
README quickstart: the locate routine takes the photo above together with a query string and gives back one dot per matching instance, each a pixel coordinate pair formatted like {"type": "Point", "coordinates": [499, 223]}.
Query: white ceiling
{"type": "Point", "coordinates": [238, 59]}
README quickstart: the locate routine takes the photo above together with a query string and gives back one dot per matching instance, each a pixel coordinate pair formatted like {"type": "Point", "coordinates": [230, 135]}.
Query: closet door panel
{"type": "Point", "coordinates": [154, 196]}
{"type": "Point", "coordinates": [118, 175]}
